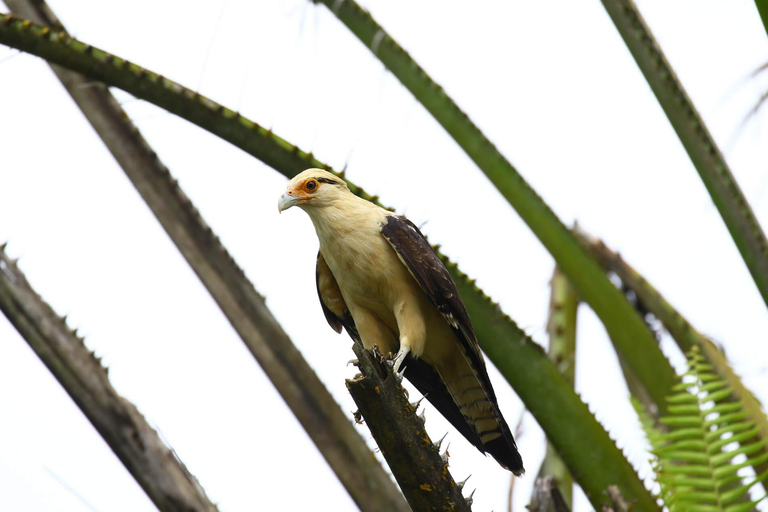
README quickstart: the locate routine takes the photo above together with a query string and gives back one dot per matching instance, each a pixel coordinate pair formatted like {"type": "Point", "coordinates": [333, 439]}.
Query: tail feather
{"type": "Point", "coordinates": [478, 419]}
{"type": "Point", "coordinates": [480, 411]}
{"type": "Point", "coordinates": [504, 449]}
{"type": "Point", "coordinates": [425, 378]}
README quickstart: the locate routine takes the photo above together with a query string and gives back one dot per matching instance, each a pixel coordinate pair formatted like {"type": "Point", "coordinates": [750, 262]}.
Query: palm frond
{"type": "Point", "coordinates": [694, 458]}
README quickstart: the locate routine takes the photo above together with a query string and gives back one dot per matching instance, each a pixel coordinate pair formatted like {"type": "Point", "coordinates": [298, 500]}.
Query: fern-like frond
{"type": "Point", "coordinates": [703, 434]}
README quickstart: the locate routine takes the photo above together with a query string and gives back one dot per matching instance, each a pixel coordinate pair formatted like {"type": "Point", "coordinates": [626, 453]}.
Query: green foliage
{"type": "Point", "coordinates": [695, 446]}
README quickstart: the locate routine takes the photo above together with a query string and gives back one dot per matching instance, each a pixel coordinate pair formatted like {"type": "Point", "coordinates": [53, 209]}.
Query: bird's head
{"type": "Point", "coordinates": [311, 189]}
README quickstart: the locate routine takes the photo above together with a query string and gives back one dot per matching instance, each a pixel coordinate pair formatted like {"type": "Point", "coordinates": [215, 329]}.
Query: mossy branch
{"type": "Point", "coordinates": [421, 472]}
{"type": "Point", "coordinates": [591, 455]}
{"type": "Point", "coordinates": [696, 139]}
{"type": "Point", "coordinates": [632, 339]}
{"type": "Point", "coordinates": [327, 425]}
{"type": "Point", "coordinates": [154, 465]}
{"type": "Point", "coordinates": [685, 335]}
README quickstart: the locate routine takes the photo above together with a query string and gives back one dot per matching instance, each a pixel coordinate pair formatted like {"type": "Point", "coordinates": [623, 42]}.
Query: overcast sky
{"type": "Point", "coordinates": [550, 83]}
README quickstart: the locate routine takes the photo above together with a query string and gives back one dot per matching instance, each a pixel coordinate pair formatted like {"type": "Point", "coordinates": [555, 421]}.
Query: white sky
{"type": "Point", "coordinates": [552, 85]}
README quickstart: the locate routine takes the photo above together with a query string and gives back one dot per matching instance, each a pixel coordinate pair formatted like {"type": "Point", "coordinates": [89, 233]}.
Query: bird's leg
{"type": "Point", "coordinates": [413, 332]}
{"type": "Point", "coordinates": [399, 358]}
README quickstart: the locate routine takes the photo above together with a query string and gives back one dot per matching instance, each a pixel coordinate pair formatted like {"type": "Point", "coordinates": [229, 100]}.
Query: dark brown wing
{"type": "Point", "coordinates": [331, 300]}
{"type": "Point", "coordinates": [424, 377]}
{"type": "Point", "coordinates": [428, 270]}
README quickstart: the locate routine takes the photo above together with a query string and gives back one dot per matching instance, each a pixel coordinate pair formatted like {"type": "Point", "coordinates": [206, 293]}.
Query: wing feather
{"type": "Point", "coordinates": [428, 270]}
{"type": "Point", "coordinates": [330, 295]}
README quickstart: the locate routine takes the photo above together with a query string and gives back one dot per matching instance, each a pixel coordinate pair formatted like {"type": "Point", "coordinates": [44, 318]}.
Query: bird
{"type": "Point", "coordinates": [379, 279]}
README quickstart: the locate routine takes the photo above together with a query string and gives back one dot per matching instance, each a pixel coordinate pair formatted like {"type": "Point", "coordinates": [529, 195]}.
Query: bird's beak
{"type": "Point", "coordinates": [285, 202]}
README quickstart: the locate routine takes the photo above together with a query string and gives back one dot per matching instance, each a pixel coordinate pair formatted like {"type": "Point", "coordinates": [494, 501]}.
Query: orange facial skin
{"type": "Point", "coordinates": [303, 190]}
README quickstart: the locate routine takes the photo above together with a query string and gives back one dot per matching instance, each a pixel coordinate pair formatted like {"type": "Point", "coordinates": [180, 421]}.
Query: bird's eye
{"type": "Point", "coordinates": [311, 185]}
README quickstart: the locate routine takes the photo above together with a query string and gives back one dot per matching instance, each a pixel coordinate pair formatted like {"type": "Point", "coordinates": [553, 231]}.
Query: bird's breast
{"type": "Point", "coordinates": [364, 265]}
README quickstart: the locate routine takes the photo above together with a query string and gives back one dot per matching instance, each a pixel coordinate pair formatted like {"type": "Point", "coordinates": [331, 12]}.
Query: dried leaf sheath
{"type": "Point", "coordinates": [155, 467]}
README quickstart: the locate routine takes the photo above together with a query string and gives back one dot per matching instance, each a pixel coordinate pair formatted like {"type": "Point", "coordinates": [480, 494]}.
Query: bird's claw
{"type": "Point", "coordinates": [398, 363]}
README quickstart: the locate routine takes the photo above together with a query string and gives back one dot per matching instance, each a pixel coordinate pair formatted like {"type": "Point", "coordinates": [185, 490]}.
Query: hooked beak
{"type": "Point", "coordinates": [285, 202]}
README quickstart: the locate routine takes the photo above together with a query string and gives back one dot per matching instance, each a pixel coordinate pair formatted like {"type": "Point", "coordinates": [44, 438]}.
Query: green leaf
{"type": "Point", "coordinates": [743, 507]}
{"type": "Point", "coordinates": [733, 468]}
{"type": "Point", "coordinates": [731, 427]}
{"type": "Point", "coordinates": [688, 456]}
{"type": "Point", "coordinates": [697, 507]}
{"type": "Point", "coordinates": [683, 444]}
{"type": "Point", "coordinates": [681, 433]}
{"type": "Point", "coordinates": [688, 496]}
{"type": "Point", "coordinates": [747, 450]}
{"type": "Point", "coordinates": [686, 421]}
{"type": "Point", "coordinates": [685, 397]}
{"type": "Point", "coordinates": [698, 483]}
{"type": "Point", "coordinates": [726, 407]}
{"type": "Point", "coordinates": [719, 395]}
{"type": "Point", "coordinates": [725, 419]}
{"type": "Point", "coordinates": [692, 469]}
{"type": "Point", "coordinates": [712, 386]}
{"type": "Point", "coordinates": [717, 445]}
{"type": "Point", "coordinates": [685, 409]}
{"type": "Point", "coordinates": [731, 496]}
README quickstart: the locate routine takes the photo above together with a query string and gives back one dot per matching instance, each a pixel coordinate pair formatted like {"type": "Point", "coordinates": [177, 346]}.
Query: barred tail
{"type": "Point", "coordinates": [478, 406]}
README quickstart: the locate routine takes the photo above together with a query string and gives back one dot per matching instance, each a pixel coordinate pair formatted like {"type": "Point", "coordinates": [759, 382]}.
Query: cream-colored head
{"type": "Point", "coordinates": [313, 188]}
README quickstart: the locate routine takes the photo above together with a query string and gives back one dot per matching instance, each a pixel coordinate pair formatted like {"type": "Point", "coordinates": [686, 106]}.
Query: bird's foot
{"type": "Point", "coordinates": [399, 358]}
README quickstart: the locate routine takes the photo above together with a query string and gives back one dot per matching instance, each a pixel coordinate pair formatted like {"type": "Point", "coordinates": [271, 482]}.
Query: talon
{"type": "Point", "coordinates": [355, 362]}
{"type": "Point", "coordinates": [399, 358]}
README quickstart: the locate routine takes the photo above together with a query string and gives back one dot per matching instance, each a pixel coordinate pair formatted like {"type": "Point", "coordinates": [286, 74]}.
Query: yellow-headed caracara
{"type": "Point", "coordinates": [379, 278]}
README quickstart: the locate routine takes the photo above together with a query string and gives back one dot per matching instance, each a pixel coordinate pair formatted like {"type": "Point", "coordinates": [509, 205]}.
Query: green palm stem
{"type": "Point", "coordinates": [631, 337]}
{"type": "Point", "coordinates": [329, 427]}
{"type": "Point", "coordinates": [762, 9]}
{"type": "Point", "coordinates": [156, 468]}
{"type": "Point", "coordinates": [561, 328]}
{"type": "Point", "coordinates": [696, 139]}
{"type": "Point", "coordinates": [685, 335]}
{"type": "Point", "coordinates": [593, 458]}
{"type": "Point", "coordinates": [583, 444]}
